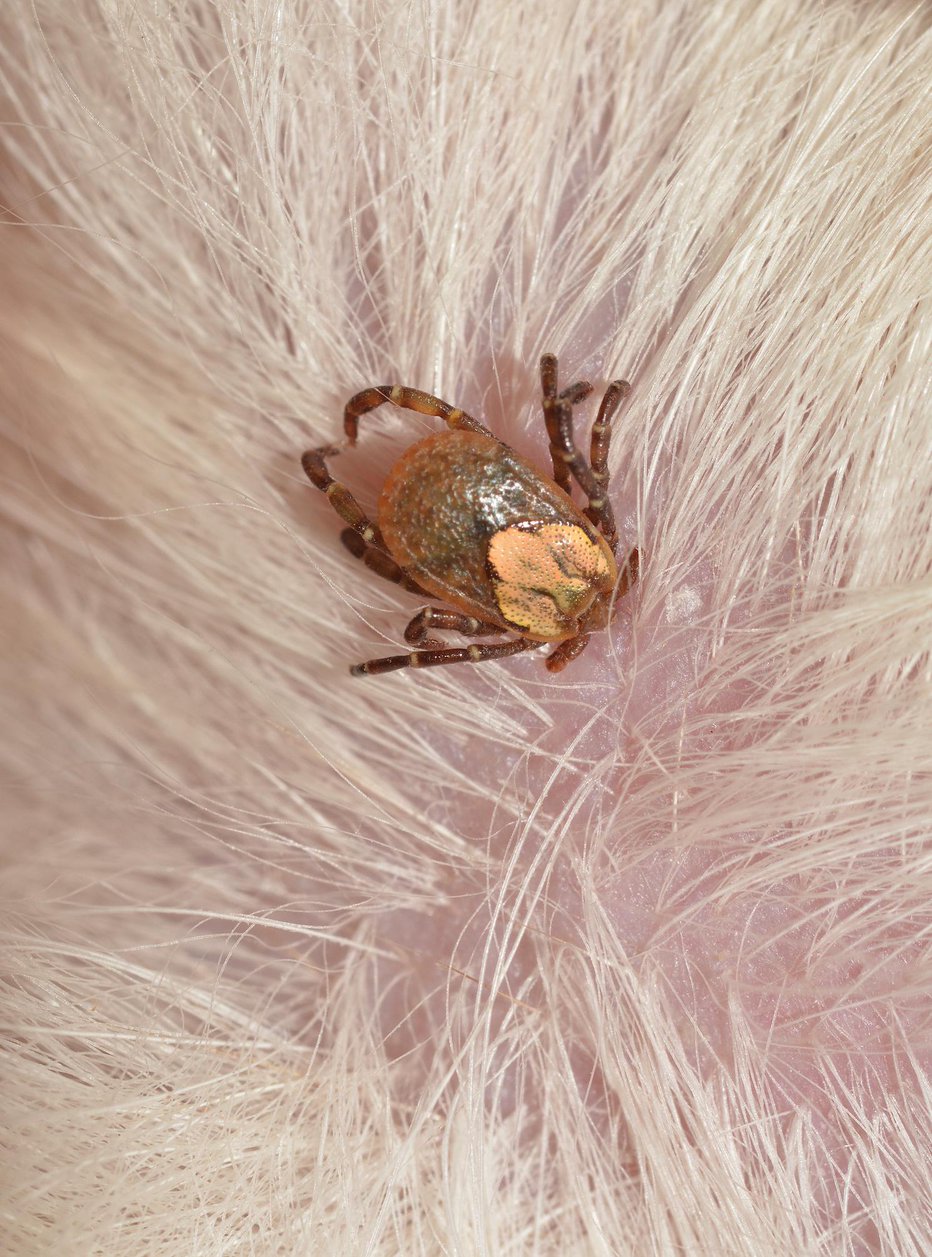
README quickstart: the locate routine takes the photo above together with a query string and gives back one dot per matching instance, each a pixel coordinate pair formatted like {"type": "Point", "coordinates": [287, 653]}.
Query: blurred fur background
{"type": "Point", "coordinates": [634, 959]}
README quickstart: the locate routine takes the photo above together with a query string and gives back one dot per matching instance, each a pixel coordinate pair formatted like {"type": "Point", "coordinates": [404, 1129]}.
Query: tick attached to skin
{"type": "Point", "coordinates": [464, 519]}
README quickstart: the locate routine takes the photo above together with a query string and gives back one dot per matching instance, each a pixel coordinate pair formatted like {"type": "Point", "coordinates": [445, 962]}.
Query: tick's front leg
{"type": "Point", "coordinates": [567, 458]}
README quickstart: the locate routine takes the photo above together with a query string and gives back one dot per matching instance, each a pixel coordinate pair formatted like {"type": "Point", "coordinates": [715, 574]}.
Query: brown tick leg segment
{"type": "Point", "coordinates": [436, 658]}
{"type": "Point", "coordinates": [569, 650]}
{"type": "Point", "coordinates": [407, 399]}
{"type": "Point", "coordinates": [438, 618]}
{"type": "Point", "coordinates": [566, 652]}
{"type": "Point", "coordinates": [629, 573]}
{"type": "Point", "coordinates": [379, 562]}
{"type": "Point", "coordinates": [558, 416]}
{"type": "Point", "coordinates": [554, 407]}
{"type": "Point", "coordinates": [576, 392]}
{"type": "Point", "coordinates": [600, 510]}
{"type": "Point", "coordinates": [339, 497]}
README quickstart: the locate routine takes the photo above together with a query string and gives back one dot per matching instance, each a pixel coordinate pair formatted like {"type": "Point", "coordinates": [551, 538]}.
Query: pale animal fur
{"type": "Point", "coordinates": [630, 960]}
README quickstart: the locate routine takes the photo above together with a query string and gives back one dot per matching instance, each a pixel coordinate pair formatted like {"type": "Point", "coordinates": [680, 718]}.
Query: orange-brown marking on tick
{"type": "Point", "coordinates": [546, 575]}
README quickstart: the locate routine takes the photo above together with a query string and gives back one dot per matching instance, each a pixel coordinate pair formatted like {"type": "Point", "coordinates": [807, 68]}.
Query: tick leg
{"type": "Point", "coordinates": [407, 399]}
{"type": "Point", "coordinates": [576, 392]}
{"type": "Point", "coordinates": [558, 412]}
{"type": "Point", "coordinates": [438, 618]}
{"type": "Point", "coordinates": [436, 658]}
{"type": "Point", "coordinates": [315, 467]}
{"type": "Point", "coordinates": [566, 652]}
{"type": "Point", "coordinates": [599, 509]}
{"type": "Point", "coordinates": [629, 573]}
{"type": "Point", "coordinates": [380, 562]}
{"type": "Point", "coordinates": [558, 416]}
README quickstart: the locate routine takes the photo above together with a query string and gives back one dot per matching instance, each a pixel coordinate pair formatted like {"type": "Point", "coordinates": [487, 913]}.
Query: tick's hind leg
{"type": "Point", "coordinates": [407, 399]}
{"type": "Point", "coordinates": [437, 658]}
{"type": "Point", "coordinates": [362, 538]}
{"type": "Point", "coordinates": [314, 463]}
{"type": "Point", "coordinates": [442, 620]}
{"type": "Point", "coordinates": [380, 562]}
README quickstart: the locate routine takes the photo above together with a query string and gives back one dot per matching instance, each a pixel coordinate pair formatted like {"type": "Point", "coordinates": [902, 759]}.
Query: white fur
{"type": "Point", "coordinates": [629, 960]}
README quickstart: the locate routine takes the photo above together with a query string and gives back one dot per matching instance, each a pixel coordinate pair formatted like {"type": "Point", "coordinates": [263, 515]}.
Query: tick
{"type": "Point", "coordinates": [464, 519]}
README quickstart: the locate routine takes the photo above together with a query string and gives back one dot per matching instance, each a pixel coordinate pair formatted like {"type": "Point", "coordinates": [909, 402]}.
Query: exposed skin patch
{"type": "Point", "coordinates": [546, 575]}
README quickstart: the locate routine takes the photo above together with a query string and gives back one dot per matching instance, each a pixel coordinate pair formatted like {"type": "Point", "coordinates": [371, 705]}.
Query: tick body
{"type": "Point", "coordinates": [465, 519]}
